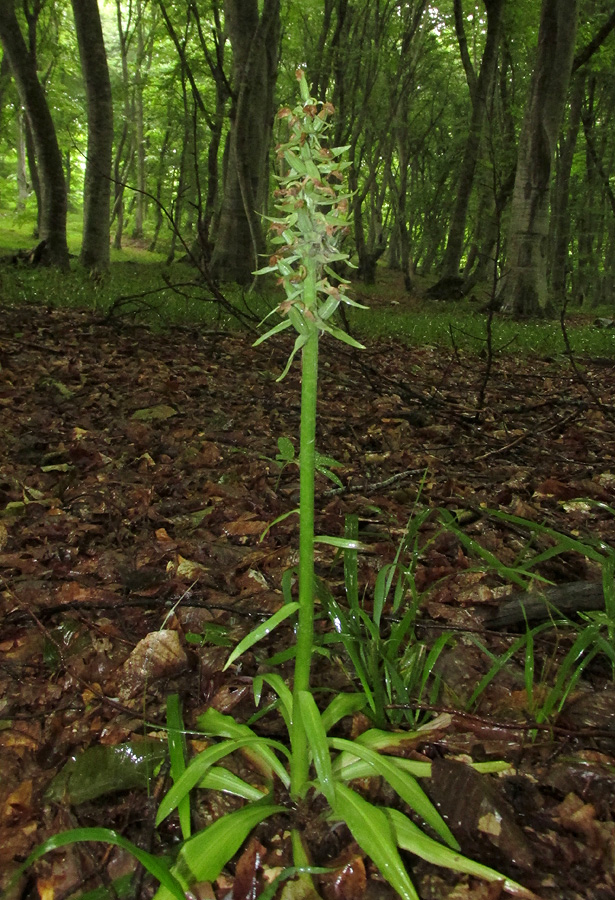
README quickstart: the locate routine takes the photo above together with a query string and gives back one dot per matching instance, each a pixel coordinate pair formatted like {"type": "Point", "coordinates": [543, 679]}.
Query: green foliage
{"type": "Point", "coordinates": [286, 456]}
{"type": "Point", "coordinates": [596, 638]}
{"type": "Point", "coordinates": [394, 668]}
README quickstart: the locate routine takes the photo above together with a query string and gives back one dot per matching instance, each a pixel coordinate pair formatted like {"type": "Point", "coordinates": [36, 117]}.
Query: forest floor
{"type": "Point", "coordinates": [137, 474]}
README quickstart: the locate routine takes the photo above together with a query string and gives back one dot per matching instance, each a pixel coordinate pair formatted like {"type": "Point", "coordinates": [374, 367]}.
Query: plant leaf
{"type": "Point", "coordinates": [198, 767]}
{"type": "Point", "coordinates": [410, 837]}
{"type": "Point", "coordinates": [155, 866]}
{"type": "Point", "coordinates": [281, 326]}
{"type": "Point", "coordinates": [286, 449]}
{"type": "Point", "coordinates": [203, 856]}
{"type": "Point", "coordinates": [259, 750]}
{"type": "Point", "coordinates": [291, 512]}
{"type": "Point", "coordinates": [282, 690]}
{"type": "Point", "coordinates": [261, 631]}
{"type": "Point", "coordinates": [405, 785]}
{"type": "Point", "coordinates": [343, 336]}
{"type": "Point", "coordinates": [103, 769]}
{"type": "Point", "coordinates": [372, 830]}
{"type": "Point", "coordinates": [341, 705]}
{"type": "Point", "coordinates": [177, 757]}
{"type": "Point", "coordinates": [319, 746]}
{"type": "Point", "coordinates": [342, 543]}
{"type": "Point", "coordinates": [219, 779]}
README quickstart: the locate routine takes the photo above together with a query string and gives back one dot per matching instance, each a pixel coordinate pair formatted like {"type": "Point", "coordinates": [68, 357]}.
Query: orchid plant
{"type": "Point", "coordinates": [316, 766]}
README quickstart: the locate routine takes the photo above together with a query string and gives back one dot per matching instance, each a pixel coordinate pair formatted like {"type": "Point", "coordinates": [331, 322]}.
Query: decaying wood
{"type": "Point", "coordinates": [566, 599]}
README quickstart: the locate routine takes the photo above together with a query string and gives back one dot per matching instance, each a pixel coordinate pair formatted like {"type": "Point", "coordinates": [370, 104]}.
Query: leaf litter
{"type": "Point", "coordinates": [138, 473]}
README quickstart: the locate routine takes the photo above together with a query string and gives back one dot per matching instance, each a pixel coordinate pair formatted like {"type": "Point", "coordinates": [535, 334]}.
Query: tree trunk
{"type": "Point", "coordinates": [523, 289]}
{"type": "Point", "coordinates": [560, 267]}
{"type": "Point", "coordinates": [139, 78]}
{"type": "Point", "coordinates": [49, 159]}
{"type": "Point", "coordinates": [23, 188]}
{"type": "Point", "coordinates": [480, 90]}
{"type": "Point", "coordinates": [34, 178]}
{"type": "Point", "coordinates": [97, 187]}
{"type": "Point", "coordinates": [240, 239]}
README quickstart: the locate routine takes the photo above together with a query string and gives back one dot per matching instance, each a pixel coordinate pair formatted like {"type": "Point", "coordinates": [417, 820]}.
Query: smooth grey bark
{"type": "Point", "coordinates": [97, 187]}
{"type": "Point", "coordinates": [125, 148]}
{"type": "Point", "coordinates": [240, 239]}
{"type": "Point", "coordinates": [23, 188]}
{"type": "Point", "coordinates": [52, 218]}
{"type": "Point", "coordinates": [523, 289]}
{"type": "Point", "coordinates": [480, 90]}
{"type": "Point", "coordinates": [140, 197]}
{"type": "Point", "coordinates": [560, 216]}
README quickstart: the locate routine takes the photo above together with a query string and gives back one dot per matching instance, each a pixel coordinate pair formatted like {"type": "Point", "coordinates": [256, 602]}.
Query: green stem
{"type": "Point", "coordinates": [299, 766]}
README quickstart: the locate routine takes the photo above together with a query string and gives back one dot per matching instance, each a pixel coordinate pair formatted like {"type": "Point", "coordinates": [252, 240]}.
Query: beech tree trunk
{"type": "Point", "coordinates": [97, 189]}
{"type": "Point", "coordinates": [52, 219]}
{"type": "Point", "coordinates": [240, 239]}
{"type": "Point", "coordinates": [523, 289]}
{"type": "Point", "coordinates": [560, 215]}
{"type": "Point", "coordinates": [480, 90]}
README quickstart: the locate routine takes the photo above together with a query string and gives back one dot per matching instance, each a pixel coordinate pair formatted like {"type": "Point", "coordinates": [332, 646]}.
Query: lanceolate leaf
{"type": "Point", "coordinates": [341, 705]}
{"type": "Point", "coordinates": [281, 326]}
{"type": "Point", "coordinates": [372, 830]}
{"type": "Point", "coordinates": [177, 757]}
{"type": "Point", "coordinates": [318, 743]}
{"type": "Point", "coordinates": [282, 690]}
{"type": "Point", "coordinates": [219, 779]}
{"type": "Point", "coordinates": [261, 631]}
{"type": "Point", "coordinates": [171, 885]}
{"type": "Point", "coordinates": [402, 782]}
{"type": "Point", "coordinates": [197, 769]}
{"type": "Point", "coordinates": [203, 856]}
{"type": "Point", "coordinates": [410, 837]}
{"type": "Point", "coordinates": [258, 750]}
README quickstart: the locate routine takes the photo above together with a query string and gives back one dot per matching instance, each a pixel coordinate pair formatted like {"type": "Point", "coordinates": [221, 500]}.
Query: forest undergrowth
{"type": "Point", "coordinates": [139, 474]}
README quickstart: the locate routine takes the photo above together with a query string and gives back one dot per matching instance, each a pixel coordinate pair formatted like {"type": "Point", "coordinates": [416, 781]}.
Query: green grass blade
{"type": "Point", "coordinates": [351, 572]}
{"type": "Point", "coordinates": [497, 666]}
{"type": "Point", "coordinates": [529, 669]}
{"type": "Point", "coordinates": [402, 782]}
{"type": "Point", "coordinates": [564, 541]}
{"type": "Point", "coordinates": [350, 635]}
{"type": "Point", "coordinates": [515, 575]}
{"type": "Point", "coordinates": [340, 543]}
{"type": "Point", "coordinates": [177, 758]}
{"type": "Point", "coordinates": [567, 671]}
{"type": "Point", "coordinates": [384, 580]}
{"type": "Point", "coordinates": [372, 830]}
{"type": "Point", "coordinates": [432, 659]}
{"type": "Point", "coordinates": [261, 631]}
{"type": "Point", "coordinates": [400, 630]}
{"type": "Point", "coordinates": [608, 589]}
{"type": "Point", "coordinates": [276, 521]}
